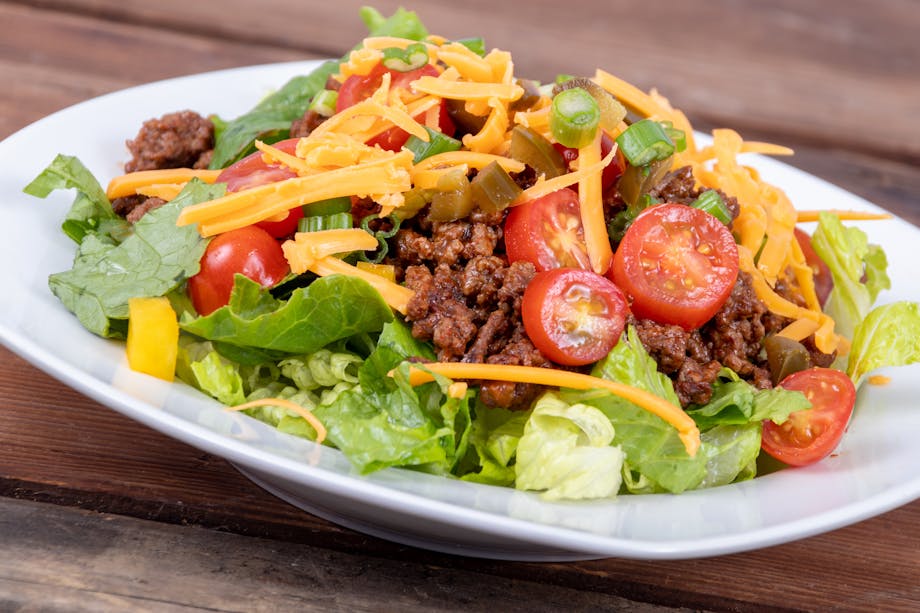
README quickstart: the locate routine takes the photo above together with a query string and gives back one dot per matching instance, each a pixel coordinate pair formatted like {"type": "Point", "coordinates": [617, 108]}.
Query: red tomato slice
{"type": "Point", "coordinates": [678, 264]}
{"type": "Point", "coordinates": [613, 170]}
{"type": "Point", "coordinates": [250, 251]}
{"type": "Point", "coordinates": [252, 171]}
{"type": "Point", "coordinates": [824, 281]}
{"type": "Point", "coordinates": [811, 435]}
{"type": "Point", "coordinates": [547, 232]}
{"type": "Point", "coordinates": [573, 316]}
{"type": "Point", "coordinates": [360, 87]}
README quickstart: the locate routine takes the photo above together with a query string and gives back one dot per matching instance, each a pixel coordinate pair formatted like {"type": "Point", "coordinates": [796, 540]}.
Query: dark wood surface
{"type": "Point", "coordinates": [100, 513]}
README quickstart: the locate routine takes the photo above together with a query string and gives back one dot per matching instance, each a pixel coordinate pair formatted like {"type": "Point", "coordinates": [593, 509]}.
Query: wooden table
{"type": "Point", "coordinates": [100, 513]}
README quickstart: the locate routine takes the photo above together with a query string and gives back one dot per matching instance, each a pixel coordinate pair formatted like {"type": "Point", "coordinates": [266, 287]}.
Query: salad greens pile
{"type": "Point", "coordinates": [335, 347]}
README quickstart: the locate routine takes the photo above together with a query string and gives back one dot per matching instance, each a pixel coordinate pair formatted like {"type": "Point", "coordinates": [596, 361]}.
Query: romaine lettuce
{"type": "Point", "coordinates": [888, 336]}
{"type": "Point", "coordinates": [858, 268]}
{"type": "Point", "coordinates": [153, 261]}
{"type": "Point", "coordinates": [91, 212]}
{"type": "Point", "coordinates": [329, 309]}
{"type": "Point", "coordinates": [566, 452]}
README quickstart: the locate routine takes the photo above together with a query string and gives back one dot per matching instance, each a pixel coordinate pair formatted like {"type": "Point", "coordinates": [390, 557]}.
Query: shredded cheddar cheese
{"type": "Point", "coordinates": [544, 187]}
{"type": "Point", "coordinates": [129, 184]}
{"type": "Point", "coordinates": [311, 419]}
{"type": "Point", "coordinates": [591, 206]}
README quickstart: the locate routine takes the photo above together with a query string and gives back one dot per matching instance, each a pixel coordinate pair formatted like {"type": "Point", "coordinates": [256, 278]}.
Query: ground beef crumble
{"type": "Point", "coordinates": [467, 300]}
{"type": "Point", "coordinates": [183, 139]}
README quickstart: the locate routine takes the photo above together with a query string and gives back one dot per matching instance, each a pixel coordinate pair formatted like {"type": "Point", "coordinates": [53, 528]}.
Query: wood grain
{"type": "Point", "coordinates": [87, 559]}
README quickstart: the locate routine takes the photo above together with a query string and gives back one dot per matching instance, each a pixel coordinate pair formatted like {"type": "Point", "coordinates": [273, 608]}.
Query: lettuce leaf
{"type": "Point", "coordinates": [91, 211]}
{"type": "Point", "coordinates": [656, 460]}
{"type": "Point", "coordinates": [888, 336]}
{"type": "Point", "coordinates": [270, 120]}
{"type": "Point", "coordinates": [420, 427]}
{"type": "Point", "coordinates": [731, 452]}
{"type": "Point", "coordinates": [329, 309]}
{"type": "Point", "coordinates": [737, 402]}
{"type": "Point", "coordinates": [566, 452]}
{"type": "Point", "coordinates": [494, 438]}
{"type": "Point", "coordinates": [401, 24]}
{"type": "Point", "coordinates": [858, 268]}
{"type": "Point", "coordinates": [153, 261]}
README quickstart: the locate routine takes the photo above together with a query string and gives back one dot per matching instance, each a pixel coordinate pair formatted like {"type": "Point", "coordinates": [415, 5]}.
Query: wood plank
{"type": "Point", "coordinates": [81, 58]}
{"type": "Point", "coordinates": [61, 447]}
{"type": "Point", "coordinates": [71, 560]}
{"type": "Point", "coordinates": [839, 74]}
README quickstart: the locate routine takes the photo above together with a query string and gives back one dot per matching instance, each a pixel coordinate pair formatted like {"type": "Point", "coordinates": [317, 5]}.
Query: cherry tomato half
{"type": "Point", "coordinates": [250, 251]}
{"type": "Point", "coordinates": [678, 264]}
{"type": "Point", "coordinates": [360, 87]}
{"type": "Point", "coordinates": [573, 316]}
{"type": "Point", "coordinates": [547, 232]}
{"type": "Point", "coordinates": [613, 170]}
{"type": "Point", "coordinates": [811, 435]}
{"type": "Point", "coordinates": [252, 171]}
{"type": "Point", "coordinates": [824, 281]}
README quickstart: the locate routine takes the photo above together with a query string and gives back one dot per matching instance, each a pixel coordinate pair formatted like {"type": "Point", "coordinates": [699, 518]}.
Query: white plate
{"type": "Point", "coordinates": [874, 470]}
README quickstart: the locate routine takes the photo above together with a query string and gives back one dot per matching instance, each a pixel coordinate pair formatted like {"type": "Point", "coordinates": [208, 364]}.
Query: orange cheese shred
{"type": "Point", "coordinates": [467, 90]}
{"type": "Point", "coordinates": [128, 184]}
{"type": "Point", "coordinates": [672, 414]}
{"type": "Point", "coordinates": [470, 158]}
{"type": "Point", "coordinates": [395, 295]}
{"type": "Point", "coordinates": [590, 198]}
{"type": "Point", "coordinates": [543, 187]}
{"type": "Point", "coordinates": [164, 191]}
{"type": "Point", "coordinates": [844, 215]}
{"type": "Point", "coordinates": [291, 406]}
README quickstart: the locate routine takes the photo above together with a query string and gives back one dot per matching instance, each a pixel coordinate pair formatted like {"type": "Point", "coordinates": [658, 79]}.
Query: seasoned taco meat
{"type": "Point", "coordinates": [183, 139]}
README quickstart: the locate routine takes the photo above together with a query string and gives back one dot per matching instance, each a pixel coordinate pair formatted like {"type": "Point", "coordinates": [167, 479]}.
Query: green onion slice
{"type": "Point", "coordinates": [676, 135]}
{"type": "Point", "coordinates": [328, 207]}
{"type": "Point", "coordinates": [317, 223]}
{"type": "Point", "coordinates": [403, 60]}
{"type": "Point", "coordinates": [711, 202]}
{"type": "Point", "coordinates": [381, 236]}
{"type": "Point", "coordinates": [574, 118]}
{"type": "Point", "coordinates": [438, 142]}
{"type": "Point", "coordinates": [612, 111]}
{"type": "Point", "coordinates": [324, 102]}
{"type": "Point", "coordinates": [645, 141]}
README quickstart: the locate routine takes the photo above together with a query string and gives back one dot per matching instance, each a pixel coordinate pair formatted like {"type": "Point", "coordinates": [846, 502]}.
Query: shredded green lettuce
{"type": "Point", "coordinates": [737, 402]}
{"type": "Point", "coordinates": [888, 336]}
{"type": "Point", "coordinates": [328, 310]}
{"type": "Point", "coordinates": [566, 452]}
{"type": "Point", "coordinates": [153, 261]}
{"type": "Point", "coordinates": [859, 270]}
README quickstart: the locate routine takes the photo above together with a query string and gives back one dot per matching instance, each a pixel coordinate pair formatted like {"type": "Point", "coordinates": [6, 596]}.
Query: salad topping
{"type": "Point", "coordinates": [625, 310]}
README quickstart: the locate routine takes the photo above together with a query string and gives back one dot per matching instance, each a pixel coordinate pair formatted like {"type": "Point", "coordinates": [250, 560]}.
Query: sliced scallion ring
{"type": "Point", "coordinates": [324, 102]}
{"type": "Point", "coordinates": [438, 142]}
{"type": "Point", "coordinates": [574, 118]}
{"type": "Point", "coordinates": [711, 202]}
{"type": "Point", "coordinates": [403, 60]}
{"type": "Point", "coordinates": [645, 141]}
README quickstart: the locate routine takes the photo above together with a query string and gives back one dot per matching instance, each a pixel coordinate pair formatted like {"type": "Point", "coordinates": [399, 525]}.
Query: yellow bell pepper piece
{"type": "Point", "coordinates": [153, 337]}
